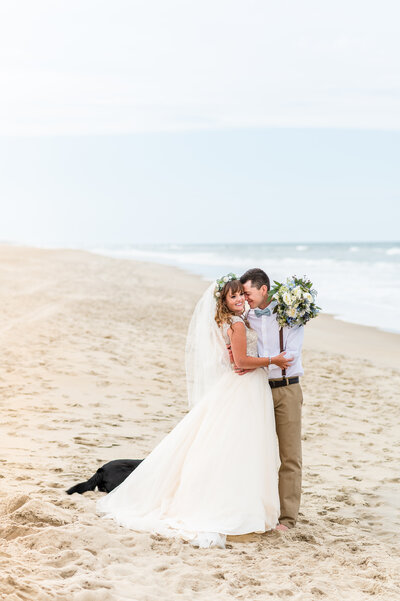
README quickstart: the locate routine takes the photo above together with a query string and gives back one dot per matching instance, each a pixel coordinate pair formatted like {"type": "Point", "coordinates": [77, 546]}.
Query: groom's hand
{"type": "Point", "coordinates": [228, 346]}
{"type": "Point", "coordinates": [236, 369]}
{"type": "Point", "coordinates": [241, 372]}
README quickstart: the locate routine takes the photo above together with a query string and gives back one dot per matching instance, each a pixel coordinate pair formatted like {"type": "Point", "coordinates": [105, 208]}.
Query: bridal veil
{"type": "Point", "coordinates": [206, 357]}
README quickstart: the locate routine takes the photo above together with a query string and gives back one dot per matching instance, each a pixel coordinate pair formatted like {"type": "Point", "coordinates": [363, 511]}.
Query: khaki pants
{"type": "Point", "coordinates": [288, 402]}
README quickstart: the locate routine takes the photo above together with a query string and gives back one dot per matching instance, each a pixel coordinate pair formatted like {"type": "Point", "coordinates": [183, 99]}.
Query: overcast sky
{"type": "Point", "coordinates": [135, 121]}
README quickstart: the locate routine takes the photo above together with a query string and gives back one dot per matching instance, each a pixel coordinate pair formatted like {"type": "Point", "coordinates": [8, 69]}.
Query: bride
{"type": "Point", "coordinates": [216, 472]}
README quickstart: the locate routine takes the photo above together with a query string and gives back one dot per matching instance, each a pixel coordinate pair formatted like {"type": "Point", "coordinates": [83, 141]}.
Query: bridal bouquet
{"type": "Point", "coordinates": [295, 301]}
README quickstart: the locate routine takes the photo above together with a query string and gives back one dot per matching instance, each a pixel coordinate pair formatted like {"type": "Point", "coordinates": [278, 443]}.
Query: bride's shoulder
{"type": "Point", "coordinates": [234, 319]}
{"type": "Point", "coordinates": [237, 319]}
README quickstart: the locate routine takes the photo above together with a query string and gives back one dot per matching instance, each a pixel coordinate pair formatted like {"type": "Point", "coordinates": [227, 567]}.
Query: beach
{"type": "Point", "coordinates": [93, 369]}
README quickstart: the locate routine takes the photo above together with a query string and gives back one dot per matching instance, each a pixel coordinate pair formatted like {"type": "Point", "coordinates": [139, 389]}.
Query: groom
{"type": "Point", "coordinates": [283, 374]}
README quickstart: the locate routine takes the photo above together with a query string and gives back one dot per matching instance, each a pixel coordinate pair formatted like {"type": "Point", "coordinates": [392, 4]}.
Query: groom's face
{"type": "Point", "coordinates": [255, 296]}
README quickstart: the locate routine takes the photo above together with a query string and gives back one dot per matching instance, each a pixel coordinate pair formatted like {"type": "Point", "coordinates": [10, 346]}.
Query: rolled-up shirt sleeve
{"type": "Point", "coordinates": [292, 342]}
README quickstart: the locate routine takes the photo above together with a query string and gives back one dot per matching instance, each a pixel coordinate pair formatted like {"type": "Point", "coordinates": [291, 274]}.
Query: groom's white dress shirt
{"type": "Point", "coordinates": [267, 329]}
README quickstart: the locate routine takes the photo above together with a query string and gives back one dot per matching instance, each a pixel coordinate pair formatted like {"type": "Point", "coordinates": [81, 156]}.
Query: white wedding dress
{"type": "Point", "coordinates": [215, 473]}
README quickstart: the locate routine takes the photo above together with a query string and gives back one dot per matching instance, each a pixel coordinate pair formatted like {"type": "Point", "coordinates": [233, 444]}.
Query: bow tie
{"type": "Point", "coordinates": [259, 312]}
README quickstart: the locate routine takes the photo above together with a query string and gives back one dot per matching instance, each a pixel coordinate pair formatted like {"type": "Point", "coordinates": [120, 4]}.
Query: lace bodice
{"type": "Point", "coordinates": [251, 337]}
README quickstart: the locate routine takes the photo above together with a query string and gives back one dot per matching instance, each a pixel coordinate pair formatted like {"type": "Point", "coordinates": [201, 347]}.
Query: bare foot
{"type": "Point", "coordinates": [281, 527]}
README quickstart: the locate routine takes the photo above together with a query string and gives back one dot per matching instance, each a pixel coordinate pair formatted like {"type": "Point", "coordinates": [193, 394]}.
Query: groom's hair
{"type": "Point", "coordinates": [258, 278]}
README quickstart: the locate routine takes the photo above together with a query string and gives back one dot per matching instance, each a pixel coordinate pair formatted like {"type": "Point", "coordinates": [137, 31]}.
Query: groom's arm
{"type": "Point", "coordinates": [294, 342]}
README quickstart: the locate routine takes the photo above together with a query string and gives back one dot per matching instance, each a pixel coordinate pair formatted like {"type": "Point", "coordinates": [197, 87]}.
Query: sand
{"type": "Point", "coordinates": [93, 369]}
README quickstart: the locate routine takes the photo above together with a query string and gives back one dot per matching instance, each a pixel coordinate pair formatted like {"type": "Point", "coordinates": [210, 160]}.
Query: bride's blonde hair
{"type": "Point", "coordinates": [222, 313]}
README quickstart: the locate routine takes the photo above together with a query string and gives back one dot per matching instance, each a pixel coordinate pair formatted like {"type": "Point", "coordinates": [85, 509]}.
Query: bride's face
{"type": "Point", "coordinates": [235, 302]}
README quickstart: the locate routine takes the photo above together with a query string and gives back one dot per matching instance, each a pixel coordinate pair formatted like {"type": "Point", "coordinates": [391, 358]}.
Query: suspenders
{"type": "Point", "coordinates": [282, 349]}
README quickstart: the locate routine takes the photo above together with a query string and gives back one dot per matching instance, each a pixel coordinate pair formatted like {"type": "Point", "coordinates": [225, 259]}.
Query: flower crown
{"type": "Point", "coordinates": [219, 284]}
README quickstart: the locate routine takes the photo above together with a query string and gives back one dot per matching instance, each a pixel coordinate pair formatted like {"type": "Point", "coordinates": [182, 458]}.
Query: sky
{"type": "Point", "coordinates": [175, 121]}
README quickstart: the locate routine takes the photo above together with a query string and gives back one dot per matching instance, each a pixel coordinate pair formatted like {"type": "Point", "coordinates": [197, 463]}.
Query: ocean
{"type": "Point", "coordinates": [356, 282]}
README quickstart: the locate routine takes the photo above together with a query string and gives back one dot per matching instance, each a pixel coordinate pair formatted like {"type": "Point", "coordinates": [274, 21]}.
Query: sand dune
{"type": "Point", "coordinates": [92, 370]}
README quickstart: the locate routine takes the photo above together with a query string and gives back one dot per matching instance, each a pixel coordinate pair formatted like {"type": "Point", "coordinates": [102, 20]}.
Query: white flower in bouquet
{"type": "Point", "coordinates": [297, 292]}
{"type": "Point", "coordinates": [287, 298]}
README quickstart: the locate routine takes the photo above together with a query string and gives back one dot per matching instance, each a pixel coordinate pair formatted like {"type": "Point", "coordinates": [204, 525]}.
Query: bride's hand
{"type": "Point", "coordinates": [281, 361]}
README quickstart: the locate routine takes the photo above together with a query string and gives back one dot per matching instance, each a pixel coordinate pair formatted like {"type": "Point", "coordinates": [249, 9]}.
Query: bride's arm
{"type": "Point", "coordinates": [237, 336]}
